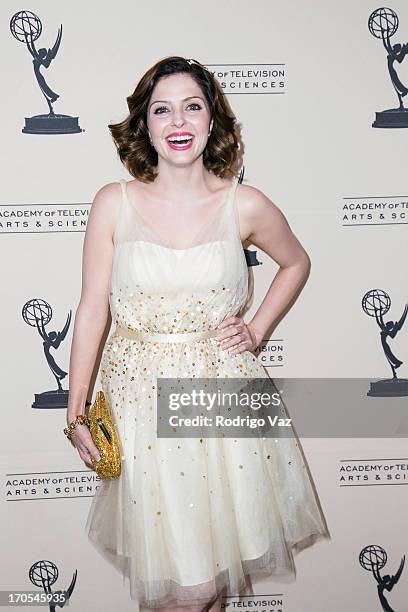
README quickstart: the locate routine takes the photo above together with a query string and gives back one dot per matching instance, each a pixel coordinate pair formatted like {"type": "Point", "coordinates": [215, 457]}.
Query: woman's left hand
{"type": "Point", "coordinates": [237, 336]}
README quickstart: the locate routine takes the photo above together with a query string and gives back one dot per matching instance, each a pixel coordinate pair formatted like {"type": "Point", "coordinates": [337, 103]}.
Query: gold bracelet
{"type": "Point", "coordinates": [80, 419]}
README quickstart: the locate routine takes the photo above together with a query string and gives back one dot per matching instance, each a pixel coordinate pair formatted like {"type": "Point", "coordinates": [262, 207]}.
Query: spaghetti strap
{"type": "Point", "coordinates": [122, 206]}
{"type": "Point", "coordinates": [123, 186]}
{"type": "Point", "coordinates": [233, 209]}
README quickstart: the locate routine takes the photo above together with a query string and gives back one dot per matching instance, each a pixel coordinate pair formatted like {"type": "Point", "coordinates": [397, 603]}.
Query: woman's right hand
{"type": "Point", "coordinates": [82, 440]}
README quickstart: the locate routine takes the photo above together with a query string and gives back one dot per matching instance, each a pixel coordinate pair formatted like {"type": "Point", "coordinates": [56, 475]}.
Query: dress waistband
{"type": "Point", "coordinates": [135, 334]}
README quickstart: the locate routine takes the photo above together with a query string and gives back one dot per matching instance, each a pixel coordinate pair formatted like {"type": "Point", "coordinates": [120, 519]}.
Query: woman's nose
{"type": "Point", "coordinates": [178, 119]}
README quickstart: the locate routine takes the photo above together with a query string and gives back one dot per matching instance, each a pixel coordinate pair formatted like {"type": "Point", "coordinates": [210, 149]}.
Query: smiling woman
{"type": "Point", "coordinates": [151, 117]}
{"type": "Point", "coordinates": [189, 518]}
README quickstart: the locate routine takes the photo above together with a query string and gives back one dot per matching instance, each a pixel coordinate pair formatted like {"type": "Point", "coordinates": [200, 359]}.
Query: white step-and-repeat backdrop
{"type": "Point", "coordinates": [319, 88]}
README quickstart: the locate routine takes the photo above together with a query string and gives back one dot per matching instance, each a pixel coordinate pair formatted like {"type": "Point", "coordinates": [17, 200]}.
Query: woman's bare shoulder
{"type": "Point", "coordinates": [108, 193]}
{"type": "Point", "coordinates": [105, 206]}
{"type": "Point", "coordinates": [251, 199]}
{"type": "Point", "coordinates": [254, 208]}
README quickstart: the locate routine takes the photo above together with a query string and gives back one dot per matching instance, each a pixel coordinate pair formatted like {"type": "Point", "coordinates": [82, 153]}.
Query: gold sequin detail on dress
{"type": "Point", "coordinates": [190, 516]}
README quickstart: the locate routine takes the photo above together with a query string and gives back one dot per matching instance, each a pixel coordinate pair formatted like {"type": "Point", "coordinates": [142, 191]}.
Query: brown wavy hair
{"type": "Point", "coordinates": [221, 154]}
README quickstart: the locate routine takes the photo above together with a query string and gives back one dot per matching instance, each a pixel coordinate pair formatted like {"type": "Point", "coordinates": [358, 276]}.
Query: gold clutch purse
{"type": "Point", "coordinates": [105, 438]}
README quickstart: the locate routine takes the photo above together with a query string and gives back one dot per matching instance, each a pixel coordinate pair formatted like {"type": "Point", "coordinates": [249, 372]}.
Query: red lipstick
{"type": "Point", "coordinates": [180, 141]}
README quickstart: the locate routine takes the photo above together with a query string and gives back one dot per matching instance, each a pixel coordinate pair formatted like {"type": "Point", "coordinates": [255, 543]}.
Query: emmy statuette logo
{"type": "Point", "coordinates": [38, 313]}
{"type": "Point", "coordinates": [26, 27]}
{"type": "Point", "coordinates": [44, 574]}
{"type": "Point", "coordinates": [373, 558]}
{"type": "Point", "coordinates": [383, 24]}
{"type": "Point", "coordinates": [376, 303]}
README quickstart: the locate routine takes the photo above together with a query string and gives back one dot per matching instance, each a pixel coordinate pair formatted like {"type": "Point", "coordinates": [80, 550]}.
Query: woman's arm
{"type": "Point", "coordinates": [93, 308]}
{"type": "Point", "coordinates": [264, 225]}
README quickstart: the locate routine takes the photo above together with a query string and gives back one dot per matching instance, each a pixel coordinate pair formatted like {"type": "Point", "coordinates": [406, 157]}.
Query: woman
{"type": "Point", "coordinates": [189, 518]}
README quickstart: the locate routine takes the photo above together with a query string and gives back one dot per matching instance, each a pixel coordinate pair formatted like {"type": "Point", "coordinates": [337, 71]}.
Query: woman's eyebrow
{"type": "Point", "coordinates": [168, 102]}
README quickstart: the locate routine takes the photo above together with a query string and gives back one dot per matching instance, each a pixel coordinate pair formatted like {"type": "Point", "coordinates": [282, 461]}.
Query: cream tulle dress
{"type": "Point", "coordinates": [189, 518]}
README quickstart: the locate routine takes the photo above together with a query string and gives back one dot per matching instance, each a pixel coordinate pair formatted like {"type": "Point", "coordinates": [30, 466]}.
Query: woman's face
{"type": "Point", "coordinates": [178, 119]}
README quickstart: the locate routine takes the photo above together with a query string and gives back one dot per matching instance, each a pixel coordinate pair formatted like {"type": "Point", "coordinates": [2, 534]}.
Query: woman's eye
{"type": "Point", "coordinates": [160, 109]}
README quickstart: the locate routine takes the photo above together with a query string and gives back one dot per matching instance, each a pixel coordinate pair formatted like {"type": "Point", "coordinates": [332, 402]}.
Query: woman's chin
{"type": "Point", "coordinates": [181, 158]}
